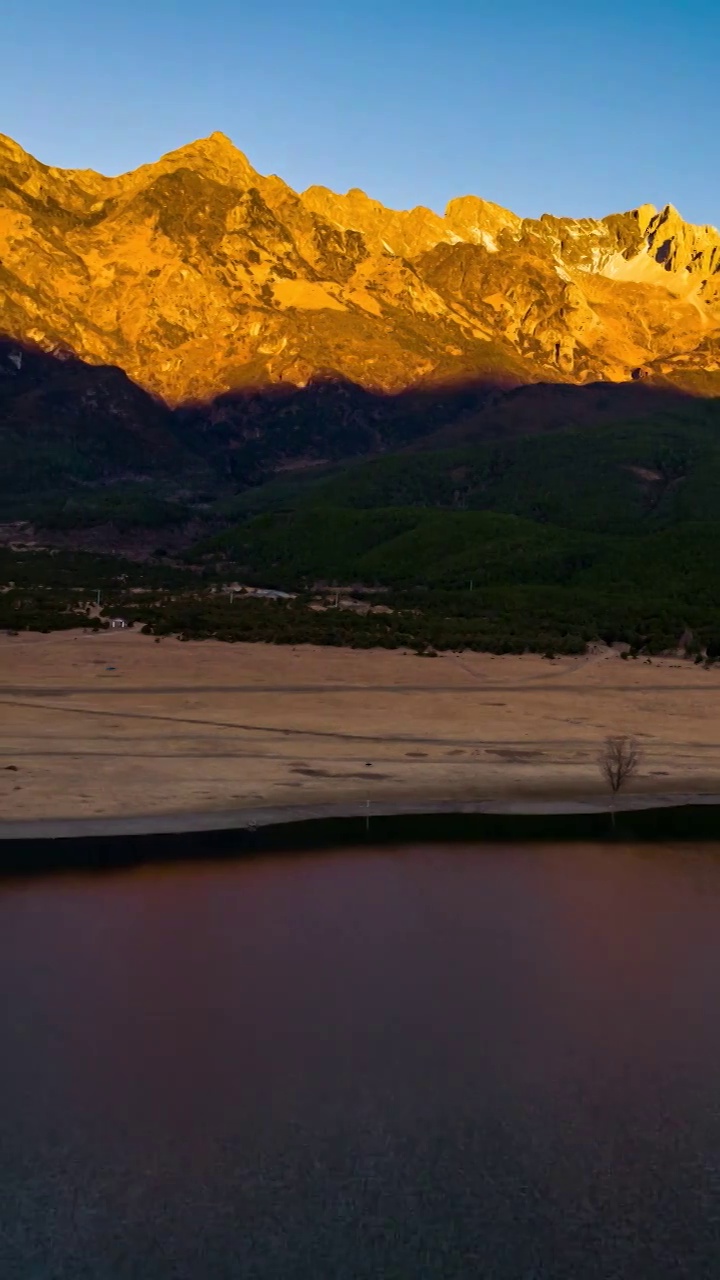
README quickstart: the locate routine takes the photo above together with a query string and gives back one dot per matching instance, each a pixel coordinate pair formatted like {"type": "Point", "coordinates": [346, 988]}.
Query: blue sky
{"type": "Point", "coordinates": [578, 109]}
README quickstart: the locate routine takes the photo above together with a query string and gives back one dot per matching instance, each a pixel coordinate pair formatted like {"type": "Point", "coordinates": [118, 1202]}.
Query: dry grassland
{"type": "Point", "coordinates": [118, 724]}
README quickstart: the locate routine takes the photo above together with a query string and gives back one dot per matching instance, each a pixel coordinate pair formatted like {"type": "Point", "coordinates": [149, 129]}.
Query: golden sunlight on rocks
{"type": "Point", "coordinates": [196, 275]}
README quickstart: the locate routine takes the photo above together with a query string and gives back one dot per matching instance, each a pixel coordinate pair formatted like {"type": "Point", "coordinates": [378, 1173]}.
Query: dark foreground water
{"type": "Point", "coordinates": [473, 1062]}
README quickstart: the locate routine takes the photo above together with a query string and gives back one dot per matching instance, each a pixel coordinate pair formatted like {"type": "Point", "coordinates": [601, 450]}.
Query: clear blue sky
{"type": "Point", "coordinates": [573, 108]}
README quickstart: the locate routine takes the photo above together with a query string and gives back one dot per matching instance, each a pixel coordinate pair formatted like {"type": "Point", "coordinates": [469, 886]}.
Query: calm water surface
{"type": "Point", "coordinates": [462, 1062]}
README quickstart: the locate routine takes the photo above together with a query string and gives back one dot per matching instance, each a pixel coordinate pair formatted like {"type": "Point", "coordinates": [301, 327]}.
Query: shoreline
{"type": "Point", "coordinates": [248, 819]}
{"type": "Point", "coordinates": [47, 845]}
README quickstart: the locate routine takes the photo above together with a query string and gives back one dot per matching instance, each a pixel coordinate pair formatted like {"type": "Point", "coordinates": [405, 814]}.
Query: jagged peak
{"type": "Point", "coordinates": [215, 143]}
{"type": "Point", "coordinates": [216, 148]}
{"type": "Point", "coordinates": [644, 215]}
{"type": "Point", "coordinates": [9, 144]}
{"type": "Point", "coordinates": [71, 187]}
{"type": "Point", "coordinates": [214, 156]}
{"type": "Point", "coordinates": [18, 154]}
{"type": "Point", "coordinates": [469, 200]}
{"type": "Point", "coordinates": [357, 196]}
{"type": "Point", "coordinates": [480, 221]}
{"type": "Point", "coordinates": [318, 189]}
{"type": "Point", "coordinates": [697, 231]}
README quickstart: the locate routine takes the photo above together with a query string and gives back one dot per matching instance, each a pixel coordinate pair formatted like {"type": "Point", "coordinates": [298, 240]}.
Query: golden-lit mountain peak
{"type": "Point", "coordinates": [644, 216]}
{"type": "Point", "coordinates": [214, 157]}
{"type": "Point", "coordinates": [402, 232]}
{"type": "Point", "coordinates": [480, 221]}
{"type": "Point", "coordinates": [9, 148]}
{"type": "Point", "coordinates": [216, 146]}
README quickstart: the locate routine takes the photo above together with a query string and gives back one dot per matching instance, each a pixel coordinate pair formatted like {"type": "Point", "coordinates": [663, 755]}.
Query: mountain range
{"type": "Point", "coordinates": [197, 275]}
{"type": "Point", "coordinates": [195, 315]}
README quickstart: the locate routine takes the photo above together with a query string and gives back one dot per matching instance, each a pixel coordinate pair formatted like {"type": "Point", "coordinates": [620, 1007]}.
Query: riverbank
{"type": "Point", "coordinates": [104, 844]}
{"type": "Point", "coordinates": [117, 728]}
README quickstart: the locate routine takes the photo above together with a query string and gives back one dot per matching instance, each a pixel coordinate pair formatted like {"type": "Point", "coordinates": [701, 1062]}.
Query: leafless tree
{"type": "Point", "coordinates": [618, 761]}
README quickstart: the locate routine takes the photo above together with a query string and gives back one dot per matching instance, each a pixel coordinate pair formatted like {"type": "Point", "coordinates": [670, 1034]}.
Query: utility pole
{"type": "Point", "coordinates": [367, 816]}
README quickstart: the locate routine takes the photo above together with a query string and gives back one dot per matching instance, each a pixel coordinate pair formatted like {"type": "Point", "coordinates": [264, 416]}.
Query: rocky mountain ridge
{"type": "Point", "coordinates": [199, 277]}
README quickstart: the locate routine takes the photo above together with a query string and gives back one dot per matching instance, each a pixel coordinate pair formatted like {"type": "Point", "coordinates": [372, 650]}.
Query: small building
{"type": "Point", "coordinates": [118, 624]}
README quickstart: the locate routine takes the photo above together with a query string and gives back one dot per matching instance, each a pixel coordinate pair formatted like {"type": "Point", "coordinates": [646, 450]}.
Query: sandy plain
{"type": "Point", "coordinates": [118, 725]}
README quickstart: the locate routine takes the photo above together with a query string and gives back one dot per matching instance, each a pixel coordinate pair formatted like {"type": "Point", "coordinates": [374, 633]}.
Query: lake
{"type": "Point", "coordinates": [398, 1064]}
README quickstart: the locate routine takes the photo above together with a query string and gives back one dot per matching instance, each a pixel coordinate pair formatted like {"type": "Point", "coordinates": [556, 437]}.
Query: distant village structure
{"type": "Point", "coordinates": [264, 593]}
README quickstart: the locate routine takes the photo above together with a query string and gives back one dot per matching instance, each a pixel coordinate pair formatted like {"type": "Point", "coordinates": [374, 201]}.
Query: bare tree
{"type": "Point", "coordinates": [618, 761]}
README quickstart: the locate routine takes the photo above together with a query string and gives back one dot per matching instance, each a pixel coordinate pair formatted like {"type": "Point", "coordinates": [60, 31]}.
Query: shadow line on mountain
{"type": "Point", "coordinates": [94, 422]}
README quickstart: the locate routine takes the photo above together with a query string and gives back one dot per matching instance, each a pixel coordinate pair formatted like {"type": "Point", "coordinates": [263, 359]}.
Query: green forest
{"type": "Point", "coordinates": [544, 543]}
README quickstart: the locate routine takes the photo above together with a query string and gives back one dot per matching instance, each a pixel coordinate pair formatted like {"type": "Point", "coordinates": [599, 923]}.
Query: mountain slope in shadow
{"type": "Point", "coordinates": [66, 422]}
